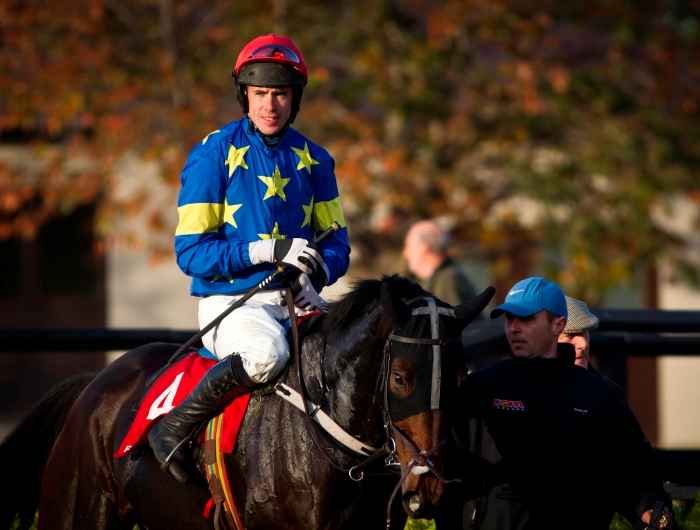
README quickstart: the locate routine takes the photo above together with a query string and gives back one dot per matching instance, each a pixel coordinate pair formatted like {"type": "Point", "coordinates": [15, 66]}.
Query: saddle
{"type": "Point", "coordinates": [219, 437]}
{"type": "Point", "coordinates": [168, 391]}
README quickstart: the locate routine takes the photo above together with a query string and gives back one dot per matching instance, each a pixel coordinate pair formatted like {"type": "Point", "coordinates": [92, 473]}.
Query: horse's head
{"type": "Point", "coordinates": [423, 358]}
{"type": "Point", "coordinates": [384, 365]}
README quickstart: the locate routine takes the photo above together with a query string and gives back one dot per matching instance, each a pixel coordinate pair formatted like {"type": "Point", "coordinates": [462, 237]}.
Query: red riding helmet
{"type": "Point", "coordinates": [271, 60]}
{"type": "Point", "coordinates": [271, 50]}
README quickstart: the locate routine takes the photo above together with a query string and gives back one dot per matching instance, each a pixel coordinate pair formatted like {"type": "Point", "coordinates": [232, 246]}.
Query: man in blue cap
{"type": "Point", "coordinates": [535, 311]}
{"type": "Point", "coordinates": [537, 406]}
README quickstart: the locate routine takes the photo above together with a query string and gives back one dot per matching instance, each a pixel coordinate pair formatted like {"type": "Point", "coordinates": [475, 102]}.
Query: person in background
{"type": "Point", "coordinates": [577, 330]}
{"type": "Point", "coordinates": [425, 251]}
{"type": "Point", "coordinates": [538, 405]}
{"type": "Point", "coordinates": [255, 193]}
{"type": "Point", "coordinates": [577, 333]}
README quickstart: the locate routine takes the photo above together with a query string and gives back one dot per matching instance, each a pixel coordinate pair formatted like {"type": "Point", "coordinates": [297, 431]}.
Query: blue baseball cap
{"type": "Point", "coordinates": [532, 295]}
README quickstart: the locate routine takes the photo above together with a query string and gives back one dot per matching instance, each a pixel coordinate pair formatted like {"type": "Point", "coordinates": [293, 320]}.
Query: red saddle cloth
{"type": "Point", "coordinates": [169, 390]}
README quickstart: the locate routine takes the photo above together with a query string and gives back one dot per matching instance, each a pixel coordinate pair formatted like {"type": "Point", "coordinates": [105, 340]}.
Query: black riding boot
{"type": "Point", "coordinates": [224, 381]}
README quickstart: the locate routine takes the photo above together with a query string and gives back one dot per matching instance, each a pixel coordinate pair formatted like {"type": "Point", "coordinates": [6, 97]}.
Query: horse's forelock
{"type": "Point", "coordinates": [364, 293]}
{"type": "Point", "coordinates": [352, 305]}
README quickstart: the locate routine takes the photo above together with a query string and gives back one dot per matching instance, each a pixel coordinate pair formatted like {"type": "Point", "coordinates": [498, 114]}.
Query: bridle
{"type": "Point", "coordinates": [420, 462]}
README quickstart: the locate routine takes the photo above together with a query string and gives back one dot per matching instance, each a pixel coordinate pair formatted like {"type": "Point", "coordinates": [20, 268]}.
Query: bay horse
{"type": "Point", "coordinates": [382, 364]}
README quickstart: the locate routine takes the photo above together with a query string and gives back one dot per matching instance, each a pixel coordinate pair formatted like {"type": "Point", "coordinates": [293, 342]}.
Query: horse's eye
{"type": "Point", "coordinates": [401, 382]}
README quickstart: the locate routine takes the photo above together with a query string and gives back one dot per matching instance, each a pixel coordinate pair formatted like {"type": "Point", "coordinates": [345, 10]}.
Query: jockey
{"type": "Point", "coordinates": [254, 193]}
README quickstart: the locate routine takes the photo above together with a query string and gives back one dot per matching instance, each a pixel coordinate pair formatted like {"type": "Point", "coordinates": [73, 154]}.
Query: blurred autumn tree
{"type": "Point", "coordinates": [557, 137]}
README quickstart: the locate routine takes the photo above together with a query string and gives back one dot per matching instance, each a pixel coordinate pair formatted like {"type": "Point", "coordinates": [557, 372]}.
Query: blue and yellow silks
{"type": "Point", "coordinates": [236, 189]}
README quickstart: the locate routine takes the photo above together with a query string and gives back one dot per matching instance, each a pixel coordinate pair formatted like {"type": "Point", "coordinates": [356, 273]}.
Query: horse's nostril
{"type": "Point", "coordinates": [414, 503]}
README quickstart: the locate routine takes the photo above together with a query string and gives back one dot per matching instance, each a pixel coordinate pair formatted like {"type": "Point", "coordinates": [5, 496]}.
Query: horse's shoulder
{"type": "Point", "coordinates": [147, 357]}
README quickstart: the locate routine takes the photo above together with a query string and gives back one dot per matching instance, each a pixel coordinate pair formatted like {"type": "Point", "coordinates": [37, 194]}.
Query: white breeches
{"type": "Point", "coordinates": [255, 331]}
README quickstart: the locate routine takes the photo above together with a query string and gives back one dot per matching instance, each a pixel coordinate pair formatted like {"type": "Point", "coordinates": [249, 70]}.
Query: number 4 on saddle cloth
{"type": "Point", "coordinates": [169, 390]}
{"type": "Point", "coordinates": [219, 438]}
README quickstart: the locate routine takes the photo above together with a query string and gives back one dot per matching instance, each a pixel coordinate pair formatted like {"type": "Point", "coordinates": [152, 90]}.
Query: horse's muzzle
{"type": "Point", "coordinates": [420, 447]}
{"type": "Point", "coordinates": [420, 504]}
{"type": "Point", "coordinates": [422, 487]}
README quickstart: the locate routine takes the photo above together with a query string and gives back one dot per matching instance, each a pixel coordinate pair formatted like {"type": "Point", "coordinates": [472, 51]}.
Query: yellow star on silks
{"type": "Point", "coordinates": [305, 160]}
{"type": "Point", "coordinates": [235, 158]}
{"type": "Point", "coordinates": [229, 213]}
{"type": "Point", "coordinates": [275, 185]}
{"type": "Point", "coordinates": [274, 235]}
{"type": "Point", "coordinates": [308, 210]}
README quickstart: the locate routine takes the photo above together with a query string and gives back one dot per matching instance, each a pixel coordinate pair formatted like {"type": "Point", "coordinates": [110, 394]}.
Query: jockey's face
{"type": "Point", "coordinates": [269, 108]}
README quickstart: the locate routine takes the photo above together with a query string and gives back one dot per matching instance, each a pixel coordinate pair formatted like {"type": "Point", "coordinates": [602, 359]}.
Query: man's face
{"type": "Point", "coordinates": [269, 108]}
{"type": "Point", "coordinates": [533, 336]}
{"type": "Point", "coordinates": [580, 341]}
{"type": "Point", "coordinates": [414, 250]}
{"type": "Point", "coordinates": [411, 251]}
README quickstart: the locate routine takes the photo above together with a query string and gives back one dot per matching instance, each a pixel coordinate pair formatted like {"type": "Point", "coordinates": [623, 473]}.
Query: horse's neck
{"type": "Point", "coordinates": [341, 371]}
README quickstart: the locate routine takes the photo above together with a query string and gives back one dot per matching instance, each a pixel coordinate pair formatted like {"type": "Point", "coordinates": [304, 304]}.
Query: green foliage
{"type": "Point", "coordinates": [619, 523]}
{"type": "Point", "coordinates": [420, 524]}
{"type": "Point", "coordinates": [686, 516]}
{"type": "Point", "coordinates": [16, 523]}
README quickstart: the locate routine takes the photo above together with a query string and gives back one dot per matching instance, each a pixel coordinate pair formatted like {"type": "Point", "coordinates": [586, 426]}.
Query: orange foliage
{"type": "Point", "coordinates": [429, 108]}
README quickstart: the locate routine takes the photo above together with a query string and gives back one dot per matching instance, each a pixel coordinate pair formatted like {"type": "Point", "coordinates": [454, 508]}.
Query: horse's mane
{"type": "Point", "coordinates": [364, 292]}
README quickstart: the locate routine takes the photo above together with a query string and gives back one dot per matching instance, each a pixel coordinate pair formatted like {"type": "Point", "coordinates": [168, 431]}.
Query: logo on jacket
{"type": "Point", "coordinates": [508, 404]}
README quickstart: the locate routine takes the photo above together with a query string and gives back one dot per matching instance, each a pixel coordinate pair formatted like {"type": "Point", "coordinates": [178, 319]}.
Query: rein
{"type": "Point", "coordinates": [315, 413]}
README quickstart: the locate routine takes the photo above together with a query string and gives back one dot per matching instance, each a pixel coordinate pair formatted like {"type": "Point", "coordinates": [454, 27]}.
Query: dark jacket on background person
{"type": "Point", "coordinates": [485, 344]}
{"type": "Point", "coordinates": [573, 452]}
{"type": "Point", "coordinates": [450, 284]}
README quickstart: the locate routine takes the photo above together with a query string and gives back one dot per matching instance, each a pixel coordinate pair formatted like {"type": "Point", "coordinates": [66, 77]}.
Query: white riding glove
{"type": "Point", "coordinates": [305, 296]}
{"type": "Point", "coordinates": [297, 252]}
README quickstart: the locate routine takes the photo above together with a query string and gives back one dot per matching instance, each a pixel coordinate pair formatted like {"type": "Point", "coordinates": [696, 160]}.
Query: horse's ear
{"type": "Point", "coordinates": [470, 309]}
{"type": "Point", "coordinates": [393, 306]}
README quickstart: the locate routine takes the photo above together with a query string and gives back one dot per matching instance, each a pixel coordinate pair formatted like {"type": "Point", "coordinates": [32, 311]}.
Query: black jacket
{"type": "Point", "coordinates": [573, 451]}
